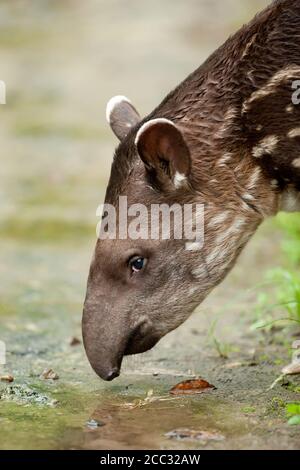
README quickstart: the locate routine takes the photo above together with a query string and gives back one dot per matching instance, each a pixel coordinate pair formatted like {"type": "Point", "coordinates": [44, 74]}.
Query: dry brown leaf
{"type": "Point", "coordinates": [191, 387]}
{"type": "Point", "coordinates": [49, 374]}
{"type": "Point", "coordinates": [292, 369]}
{"type": "Point", "coordinates": [74, 341]}
{"type": "Point", "coordinates": [7, 378]}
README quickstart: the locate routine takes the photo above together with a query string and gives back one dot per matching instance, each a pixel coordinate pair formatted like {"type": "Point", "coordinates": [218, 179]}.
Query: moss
{"type": "Point", "coordinates": [276, 407]}
{"type": "Point", "coordinates": [26, 395]}
{"type": "Point", "coordinates": [59, 130]}
{"type": "Point", "coordinates": [32, 426]}
{"type": "Point", "coordinates": [45, 230]}
{"type": "Point", "coordinates": [11, 37]}
{"type": "Point", "coordinates": [249, 410]}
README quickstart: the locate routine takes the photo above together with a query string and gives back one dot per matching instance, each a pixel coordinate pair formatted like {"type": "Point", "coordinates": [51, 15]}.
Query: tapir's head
{"type": "Point", "coordinates": [142, 287]}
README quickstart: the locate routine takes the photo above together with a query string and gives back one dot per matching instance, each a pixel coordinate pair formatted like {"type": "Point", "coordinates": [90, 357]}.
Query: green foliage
{"type": "Point", "coordinates": [223, 349]}
{"type": "Point", "coordinates": [277, 403]}
{"type": "Point", "coordinates": [293, 413]}
{"type": "Point", "coordinates": [290, 224]}
{"type": "Point", "coordinates": [282, 305]}
{"type": "Point", "coordinates": [45, 230]}
{"type": "Point", "coordinates": [288, 292]}
{"type": "Point", "coordinates": [249, 410]}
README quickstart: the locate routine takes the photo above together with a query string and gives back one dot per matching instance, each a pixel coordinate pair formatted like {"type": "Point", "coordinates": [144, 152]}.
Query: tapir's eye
{"type": "Point", "coordinates": [137, 264]}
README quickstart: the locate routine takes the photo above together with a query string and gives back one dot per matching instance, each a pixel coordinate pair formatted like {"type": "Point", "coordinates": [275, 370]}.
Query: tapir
{"type": "Point", "coordinates": [227, 138]}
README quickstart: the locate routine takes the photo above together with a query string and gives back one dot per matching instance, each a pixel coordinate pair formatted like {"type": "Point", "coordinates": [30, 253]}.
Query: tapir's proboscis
{"type": "Point", "coordinates": [228, 139]}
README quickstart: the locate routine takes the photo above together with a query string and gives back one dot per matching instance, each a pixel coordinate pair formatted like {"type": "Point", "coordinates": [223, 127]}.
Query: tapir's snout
{"type": "Point", "coordinates": [105, 361]}
{"type": "Point", "coordinates": [108, 337]}
{"type": "Point", "coordinates": [110, 374]}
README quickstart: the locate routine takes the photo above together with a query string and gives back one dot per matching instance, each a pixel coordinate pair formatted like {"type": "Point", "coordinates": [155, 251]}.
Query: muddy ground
{"type": "Point", "coordinates": [61, 62]}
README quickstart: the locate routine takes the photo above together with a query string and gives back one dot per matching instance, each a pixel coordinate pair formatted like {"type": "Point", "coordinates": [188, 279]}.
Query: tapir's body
{"type": "Point", "coordinates": [229, 138]}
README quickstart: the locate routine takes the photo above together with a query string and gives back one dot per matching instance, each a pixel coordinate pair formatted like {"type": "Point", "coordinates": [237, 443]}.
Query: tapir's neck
{"type": "Point", "coordinates": [239, 198]}
{"type": "Point", "coordinates": [241, 124]}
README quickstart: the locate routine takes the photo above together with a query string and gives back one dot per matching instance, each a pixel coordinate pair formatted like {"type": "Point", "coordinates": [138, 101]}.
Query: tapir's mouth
{"type": "Point", "coordinates": [138, 344]}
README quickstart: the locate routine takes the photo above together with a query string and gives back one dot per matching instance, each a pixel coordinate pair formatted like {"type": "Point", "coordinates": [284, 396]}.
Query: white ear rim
{"type": "Point", "coordinates": [113, 103]}
{"type": "Point", "coordinates": [149, 124]}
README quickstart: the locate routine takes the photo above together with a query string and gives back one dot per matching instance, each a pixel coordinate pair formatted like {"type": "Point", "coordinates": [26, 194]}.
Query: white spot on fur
{"type": "Point", "coordinates": [113, 103]}
{"type": "Point", "coordinates": [218, 219]}
{"type": "Point", "coordinates": [266, 145]}
{"type": "Point", "coordinates": [248, 197]}
{"type": "Point", "coordinates": [216, 254]}
{"type": "Point", "coordinates": [274, 183]}
{"type": "Point", "coordinates": [179, 180]}
{"type": "Point", "coordinates": [193, 290]}
{"type": "Point", "coordinates": [296, 163]}
{"type": "Point", "coordinates": [149, 124]}
{"type": "Point", "coordinates": [196, 246]}
{"type": "Point", "coordinates": [294, 133]}
{"type": "Point", "coordinates": [271, 86]}
{"type": "Point", "coordinates": [248, 46]}
{"type": "Point", "coordinates": [235, 227]}
{"type": "Point", "coordinates": [225, 159]}
{"type": "Point", "coordinates": [228, 120]}
{"type": "Point", "coordinates": [254, 178]}
{"type": "Point", "coordinates": [289, 108]}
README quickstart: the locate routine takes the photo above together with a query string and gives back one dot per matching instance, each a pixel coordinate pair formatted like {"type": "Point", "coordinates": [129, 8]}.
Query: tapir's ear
{"type": "Point", "coordinates": [164, 152]}
{"type": "Point", "coordinates": [121, 115]}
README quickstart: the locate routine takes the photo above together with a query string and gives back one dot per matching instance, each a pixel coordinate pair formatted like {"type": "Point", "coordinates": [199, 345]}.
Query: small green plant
{"type": "Point", "coordinates": [286, 308]}
{"type": "Point", "coordinates": [263, 315]}
{"type": "Point", "coordinates": [277, 403]}
{"type": "Point", "coordinates": [293, 388]}
{"type": "Point", "coordinates": [249, 410]}
{"type": "Point", "coordinates": [282, 305]}
{"type": "Point", "coordinates": [290, 224]}
{"type": "Point", "coordinates": [223, 349]}
{"type": "Point", "coordinates": [293, 414]}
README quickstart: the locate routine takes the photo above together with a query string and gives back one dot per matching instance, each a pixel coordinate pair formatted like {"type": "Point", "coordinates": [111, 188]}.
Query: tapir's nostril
{"type": "Point", "coordinates": [112, 374]}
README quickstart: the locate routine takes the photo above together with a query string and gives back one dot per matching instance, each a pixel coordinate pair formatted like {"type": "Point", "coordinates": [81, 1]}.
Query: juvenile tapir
{"type": "Point", "coordinates": [229, 138]}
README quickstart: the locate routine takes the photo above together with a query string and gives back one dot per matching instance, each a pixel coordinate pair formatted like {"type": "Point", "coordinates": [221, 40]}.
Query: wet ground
{"type": "Point", "coordinates": [61, 62]}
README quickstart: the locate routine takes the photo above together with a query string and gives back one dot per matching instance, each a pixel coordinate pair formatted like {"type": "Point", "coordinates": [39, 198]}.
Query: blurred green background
{"type": "Point", "coordinates": [61, 61]}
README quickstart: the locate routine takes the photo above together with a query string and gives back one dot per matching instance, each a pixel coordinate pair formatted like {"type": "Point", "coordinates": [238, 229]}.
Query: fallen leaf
{"type": "Point", "coordinates": [233, 365]}
{"type": "Point", "coordinates": [74, 341]}
{"type": "Point", "coordinates": [49, 374]}
{"type": "Point", "coordinates": [191, 387]}
{"type": "Point", "coordinates": [7, 378]}
{"type": "Point", "coordinates": [192, 435]}
{"type": "Point", "coordinates": [292, 369]}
